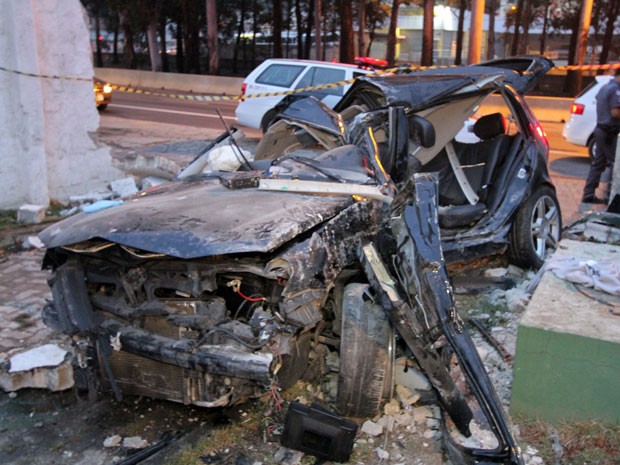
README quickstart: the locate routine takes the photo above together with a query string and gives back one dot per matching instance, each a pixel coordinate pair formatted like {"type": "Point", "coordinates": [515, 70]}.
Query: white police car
{"type": "Point", "coordinates": [277, 75]}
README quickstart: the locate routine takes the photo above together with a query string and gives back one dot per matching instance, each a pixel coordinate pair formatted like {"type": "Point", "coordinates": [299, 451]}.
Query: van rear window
{"type": "Point", "coordinates": [280, 75]}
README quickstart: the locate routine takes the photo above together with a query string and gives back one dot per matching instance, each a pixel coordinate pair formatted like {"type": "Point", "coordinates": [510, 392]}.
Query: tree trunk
{"type": "Point", "coordinates": [427, 34]}
{"type": "Point", "coordinates": [115, 45]}
{"type": "Point", "coordinates": [346, 32]}
{"type": "Point", "coordinates": [515, 37]}
{"type": "Point", "coordinates": [318, 24]}
{"type": "Point", "coordinates": [543, 35]}
{"type": "Point", "coordinates": [130, 54]}
{"type": "Point", "coordinates": [613, 9]}
{"type": "Point", "coordinates": [491, 38]}
{"type": "Point", "coordinates": [97, 40]}
{"type": "Point", "coordinates": [165, 63]}
{"type": "Point", "coordinates": [240, 29]}
{"type": "Point", "coordinates": [526, 20]}
{"type": "Point", "coordinates": [309, 27]}
{"type": "Point", "coordinates": [277, 28]}
{"type": "Point", "coordinates": [361, 26]}
{"type": "Point", "coordinates": [458, 59]}
{"type": "Point", "coordinates": [151, 35]}
{"type": "Point", "coordinates": [300, 29]}
{"type": "Point", "coordinates": [254, 31]}
{"type": "Point", "coordinates": [180, 57]}
{"type": "Point", "coordinates": [390, 54]}
{"type": "Point", "coordinates": [212, 44]}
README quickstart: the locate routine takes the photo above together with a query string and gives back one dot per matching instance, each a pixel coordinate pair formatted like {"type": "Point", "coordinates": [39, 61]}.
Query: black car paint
{"type": "Point", "coordinates": [295, 250]}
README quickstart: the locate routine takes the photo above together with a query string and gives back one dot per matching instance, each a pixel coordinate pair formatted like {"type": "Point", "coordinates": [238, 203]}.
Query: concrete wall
{"type": "Point", "coordinates": [47, 151]}
{"type": "Point", "coordinates": [197, 83]}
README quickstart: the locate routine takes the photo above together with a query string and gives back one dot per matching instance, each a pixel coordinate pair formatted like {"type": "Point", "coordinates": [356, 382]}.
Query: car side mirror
{"type": "Point", "coordinates": [421, 131]}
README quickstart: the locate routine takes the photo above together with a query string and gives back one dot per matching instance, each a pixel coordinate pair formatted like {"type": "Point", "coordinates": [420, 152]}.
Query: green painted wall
{"type": "Point", "coordinates": [564, 376]}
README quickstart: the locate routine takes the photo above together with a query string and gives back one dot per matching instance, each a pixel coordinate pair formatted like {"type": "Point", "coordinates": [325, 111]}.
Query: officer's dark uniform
{"type": "Point", "coordinates": [605, 136]}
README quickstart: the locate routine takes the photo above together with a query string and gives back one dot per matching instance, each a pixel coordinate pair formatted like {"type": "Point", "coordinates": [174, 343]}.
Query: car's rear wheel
{"type": "Point", "coordinates": [591, 148]}
{"type": "Point", "coordinates": [537, 229]}
{"type": "Point", "coordinates": [102, 107]}
{"type": "Point", "coordinates": [366, 354]}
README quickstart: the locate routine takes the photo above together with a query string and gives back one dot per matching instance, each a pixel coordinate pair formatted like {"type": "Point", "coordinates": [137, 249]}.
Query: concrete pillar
{"type": "Point", "coordinates": [615, 176]}
{"type": "Point", "coordinates": [47, 125]}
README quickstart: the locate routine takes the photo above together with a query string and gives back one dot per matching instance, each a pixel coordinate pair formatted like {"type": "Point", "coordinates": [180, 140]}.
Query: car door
{"type": "Point", "coordinates": [320, 75]}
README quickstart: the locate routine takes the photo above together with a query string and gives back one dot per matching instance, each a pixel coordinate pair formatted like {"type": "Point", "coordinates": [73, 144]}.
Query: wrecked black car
{"type": "Point", "coordinates": [222, 285]}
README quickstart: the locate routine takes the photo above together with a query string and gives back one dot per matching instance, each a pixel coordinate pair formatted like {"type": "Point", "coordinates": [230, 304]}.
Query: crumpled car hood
{"type": "Point", "coordinates": [199, 219]}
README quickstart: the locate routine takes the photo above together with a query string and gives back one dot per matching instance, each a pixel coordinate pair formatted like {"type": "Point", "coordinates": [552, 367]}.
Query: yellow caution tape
{"type": "Point", "coordinates": [219, 98]}
{"type": "Point", "coordinates": [47, 76]}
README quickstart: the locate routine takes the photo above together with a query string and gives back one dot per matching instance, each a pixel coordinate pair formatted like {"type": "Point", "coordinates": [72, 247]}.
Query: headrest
{"type": "Point", "coordinates": [489, 126]}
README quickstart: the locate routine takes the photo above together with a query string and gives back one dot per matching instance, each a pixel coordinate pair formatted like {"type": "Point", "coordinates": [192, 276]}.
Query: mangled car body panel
{"type": "Point", "coordinates": [214, 220]}
{"type": "Point", "coordinates": [223, 285]}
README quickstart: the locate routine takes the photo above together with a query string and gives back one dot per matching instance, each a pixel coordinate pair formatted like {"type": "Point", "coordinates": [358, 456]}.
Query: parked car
{"type": "Point", "coordinates": [579, 128]}
{"type": "Point", "coordinates": [103, 93]}
{"type": "Point", "coordinates": [278, 75]}
{"type": "Point", "coordinates": [328, 245]}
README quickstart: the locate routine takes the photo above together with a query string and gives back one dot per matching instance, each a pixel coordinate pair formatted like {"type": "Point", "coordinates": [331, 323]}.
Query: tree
{"type": "Point", "coordinates": [518, 14]}
{"type": "Point", "coordinates": [459, 34]}
{"type": "Point", "coordinates": [390, 54]}
{"type": "Point", "coordinates": [427, 34]}
{"type": "Point", "coordinates": [346, 32]}
{"type": "Point", "coordinates": [492, 6]}
{"type": "Point", "coordinates": [212, 44]}
{"type": "Point", "coordinates": [277, 28]}
{"type": "Point", "coordinates": [318, 23]}
{"type": "Point", "coordinates": [361, 26]}
{"type": "Point", "coordinates": [377, 13]}
{"type": "Point", "coordinates": [612, 11]}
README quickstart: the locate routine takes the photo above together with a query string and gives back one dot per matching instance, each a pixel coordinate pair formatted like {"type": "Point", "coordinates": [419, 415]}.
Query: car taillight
{"type": "Point", "coordinates": [577, 109]}
{"type": "Point", "coordinates": [244, 86]}
{"type": "Point", "coordinates": [539, 132]}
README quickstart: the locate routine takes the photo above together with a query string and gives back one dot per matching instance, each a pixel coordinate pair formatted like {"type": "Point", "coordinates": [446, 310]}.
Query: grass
{"type": "Point", "coordinates": [8, 219]}
{"type": "Point", "coordinates": [577, 443]}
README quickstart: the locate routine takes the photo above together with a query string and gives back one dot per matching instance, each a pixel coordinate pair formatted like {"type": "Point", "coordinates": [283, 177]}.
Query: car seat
{"type": "Point", "coordinates": [462, 202]}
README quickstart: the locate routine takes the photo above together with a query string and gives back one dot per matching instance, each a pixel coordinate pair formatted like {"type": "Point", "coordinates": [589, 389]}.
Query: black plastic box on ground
{"type": "Point", "coordinates": [317, 431]}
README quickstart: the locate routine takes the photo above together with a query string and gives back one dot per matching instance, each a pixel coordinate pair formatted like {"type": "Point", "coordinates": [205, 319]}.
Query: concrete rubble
{"type": "Point", "coordinates": [45, 367]}
{"type": "Point", "coordinates": [30, 214]}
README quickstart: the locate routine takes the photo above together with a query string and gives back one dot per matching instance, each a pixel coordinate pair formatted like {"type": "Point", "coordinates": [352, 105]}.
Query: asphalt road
{"type": "Point", "coordinates": [176, 111]}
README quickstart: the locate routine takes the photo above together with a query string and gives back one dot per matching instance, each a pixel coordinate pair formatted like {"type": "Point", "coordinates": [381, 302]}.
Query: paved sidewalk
{"type": "Point", "coordinates": [23, 291]}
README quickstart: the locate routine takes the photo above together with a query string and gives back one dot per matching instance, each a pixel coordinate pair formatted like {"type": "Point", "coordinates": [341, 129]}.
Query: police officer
{"type": "Point", "coordinates": [605, 136]}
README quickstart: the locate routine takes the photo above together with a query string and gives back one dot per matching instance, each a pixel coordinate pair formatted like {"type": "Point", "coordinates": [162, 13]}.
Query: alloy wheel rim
{"type": "Point", "coordinates": [545, 226]}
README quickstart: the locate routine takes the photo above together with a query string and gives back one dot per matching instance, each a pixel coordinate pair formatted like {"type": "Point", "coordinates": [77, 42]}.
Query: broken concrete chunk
{"type": "Point", "coordinates": [382, 454]}
{"type": "Point", "coordinates": [371, 428]}
{"type": "Point", "coordinates": [159, 166]}
{"type": "Point", "coordinates": [411, 378]}
{"type": "Point", "coordinates": [134, 442]}
{"type": "Point", "coordinates": [496, 273]}
{"type": "Point", "coordinates": [33, 242]}
{"type": "Point", "coordinates": [112, 441]}
{"type": "Point", "coordinates": [30, 214]}
{"type": "Point", "coordinates": [405, 396]}
{"type": "Point", "coordinates": [392, 407]}
{"type": "Point", "coordinates": [47, 355]}
{"type": "Point", "coordinates": [43, 367]}
{"type": "Point", "coordinates": [90, 197]}
{"type": "Point", "coordinates": [152, 181]}
{"type": "Point", "coordinates": [286, 456]}
{"type": "Point", "coordinates": [56, 378]}
{"type": "Point", "coordinates": [124, 187]}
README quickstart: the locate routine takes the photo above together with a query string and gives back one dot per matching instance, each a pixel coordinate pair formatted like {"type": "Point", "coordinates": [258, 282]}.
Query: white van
{"type": "Point", "coordinates": [277, 75]}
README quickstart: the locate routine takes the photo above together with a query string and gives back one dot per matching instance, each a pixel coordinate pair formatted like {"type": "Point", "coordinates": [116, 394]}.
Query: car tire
{"type": "Point", "coordinates": [366, 354]}
{"type": "Point", "coordinates": [537, 229]}
{"type": "Point", "coordinates": [591, 147]}
{"type": "Point", "coordinates": [102, 106]}
{"type": "Point", "coordinates": [268, 120]}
